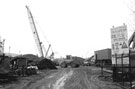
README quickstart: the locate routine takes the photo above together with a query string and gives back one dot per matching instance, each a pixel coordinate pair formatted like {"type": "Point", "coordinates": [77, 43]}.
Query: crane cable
{"type": "Point", "coordinates": [44, 35]}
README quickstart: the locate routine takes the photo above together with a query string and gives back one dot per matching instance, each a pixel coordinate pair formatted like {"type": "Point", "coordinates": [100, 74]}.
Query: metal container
{"type": "Point", "coordinates": [104, 54]}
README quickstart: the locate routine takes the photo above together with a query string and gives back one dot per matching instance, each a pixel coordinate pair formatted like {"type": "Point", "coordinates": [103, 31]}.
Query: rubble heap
{"type": "Point", "coordinates": [46, 64]}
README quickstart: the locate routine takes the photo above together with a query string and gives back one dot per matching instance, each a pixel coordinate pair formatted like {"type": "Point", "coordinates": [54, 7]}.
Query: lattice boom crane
{"type": "Point", "coordinates": [35, 33]}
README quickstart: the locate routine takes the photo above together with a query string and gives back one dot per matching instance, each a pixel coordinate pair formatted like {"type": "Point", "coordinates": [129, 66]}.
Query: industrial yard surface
{"type": "Point", "coordinates": [64, 78]}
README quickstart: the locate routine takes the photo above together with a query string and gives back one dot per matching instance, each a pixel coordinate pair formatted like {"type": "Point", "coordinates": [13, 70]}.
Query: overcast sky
{"type": "Point", "coordinates": [72, 27]}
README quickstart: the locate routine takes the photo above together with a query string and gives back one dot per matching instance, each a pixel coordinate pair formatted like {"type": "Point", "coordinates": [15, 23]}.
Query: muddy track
{"type": "Point", "coordinates": [68, 78]}
{"type": "Point", "coordinates": [26, 82]}
{"type": "Point", "coordinates": [88, 78]}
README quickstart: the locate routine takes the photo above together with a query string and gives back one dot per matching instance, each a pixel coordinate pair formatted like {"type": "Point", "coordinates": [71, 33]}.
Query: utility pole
{"type": "Point", "coordinates": [3, 43]}
{"type": "Point", "coordinates": [9, 50]}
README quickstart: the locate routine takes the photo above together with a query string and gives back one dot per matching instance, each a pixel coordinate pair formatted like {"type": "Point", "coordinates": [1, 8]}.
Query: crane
{"type": "Point", "coordinates": [35, 33]}
{"type": "Point", "coordinates": [47, 50]}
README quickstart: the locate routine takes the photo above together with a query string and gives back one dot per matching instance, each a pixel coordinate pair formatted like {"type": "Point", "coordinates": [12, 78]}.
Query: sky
{"type": "Point", "coordinates": [72, 27]}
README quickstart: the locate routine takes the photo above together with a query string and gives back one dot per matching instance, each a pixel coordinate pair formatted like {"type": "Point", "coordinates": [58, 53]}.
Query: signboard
{"type": "Point", "coordinates": [119, 42]}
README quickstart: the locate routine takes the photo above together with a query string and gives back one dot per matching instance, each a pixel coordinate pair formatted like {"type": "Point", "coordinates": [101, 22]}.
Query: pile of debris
{"type": "Point", "coordinates": [46, 64]}
{"type": "Point", "coordinates": [78, 60]}
{"type": "Point", "coordinates": [39, 62]}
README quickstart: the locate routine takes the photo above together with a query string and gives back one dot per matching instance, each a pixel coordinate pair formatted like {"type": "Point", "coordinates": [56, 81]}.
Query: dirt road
{"type": "Point", "coordinates": [69, 78]}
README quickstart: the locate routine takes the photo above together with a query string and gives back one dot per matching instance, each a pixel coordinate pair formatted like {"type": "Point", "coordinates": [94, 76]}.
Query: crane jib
{"type": "Point", "coordinates": [35, 33]}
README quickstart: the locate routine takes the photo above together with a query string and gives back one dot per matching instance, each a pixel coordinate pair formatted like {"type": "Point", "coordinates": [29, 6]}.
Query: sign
{"type": "Point", "coordinates": [119, 42]}
{"type": "Point", "coordinates": [124, 45]}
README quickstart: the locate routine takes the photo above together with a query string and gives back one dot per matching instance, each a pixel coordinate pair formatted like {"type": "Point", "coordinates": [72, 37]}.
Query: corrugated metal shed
{"type": "Point", "coordinates": [103, 54]}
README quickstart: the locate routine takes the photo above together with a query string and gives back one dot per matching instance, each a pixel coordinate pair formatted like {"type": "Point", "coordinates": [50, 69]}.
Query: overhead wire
{"type": "Point", "coordinates": [43, 34]}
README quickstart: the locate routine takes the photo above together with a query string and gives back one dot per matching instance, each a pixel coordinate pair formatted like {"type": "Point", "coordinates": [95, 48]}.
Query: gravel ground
{"type": "Point", "coordinates": [68, 78]}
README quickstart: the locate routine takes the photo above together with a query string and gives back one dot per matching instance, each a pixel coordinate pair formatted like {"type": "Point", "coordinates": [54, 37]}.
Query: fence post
{"type": "Point", "coordinates": [122, 68]}
{"type": "Point", "coordinates": [116, 68]}
{"type": "Point", "coordinates": [130, 72]}
{"type": "Point", "coordinates": [102, 69]}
